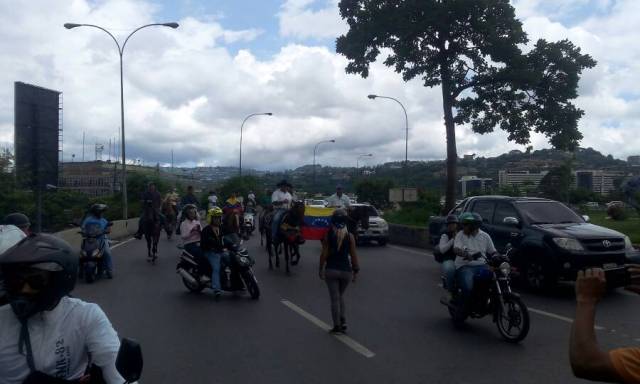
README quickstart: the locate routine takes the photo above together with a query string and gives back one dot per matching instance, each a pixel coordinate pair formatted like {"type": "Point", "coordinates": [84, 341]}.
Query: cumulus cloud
{"type": "Point", "coordinates": [187, 91]}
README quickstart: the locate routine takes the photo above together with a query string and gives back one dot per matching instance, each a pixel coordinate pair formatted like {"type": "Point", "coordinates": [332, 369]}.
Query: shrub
{"type": "Point", "coordinates": [616, 212]}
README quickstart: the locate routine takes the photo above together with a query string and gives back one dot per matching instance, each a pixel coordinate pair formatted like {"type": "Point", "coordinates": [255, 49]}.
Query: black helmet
{"type": "Point", "coordinates": [98, 208]}
{"type": "Point", "coordinates": [45, 253]}
{"type": "Point", "coordinates": [284, 183]}
{"type": "Point", "coordinates": [18, 219]}
{"type": "Point", "coordinates": [451, 219]}
{"type": "Point", "coordinates": [339, 218]}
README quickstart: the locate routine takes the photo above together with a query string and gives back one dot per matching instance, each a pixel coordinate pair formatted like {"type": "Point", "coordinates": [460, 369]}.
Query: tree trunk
{"type": "Point", "coordinates": [452, 154]}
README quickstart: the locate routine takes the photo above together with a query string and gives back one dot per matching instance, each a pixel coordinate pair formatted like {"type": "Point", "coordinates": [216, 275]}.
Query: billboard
{"type": "Point", "coordinates": [397, 195]}
{"type": "Point", "coordinates": [36, 135]}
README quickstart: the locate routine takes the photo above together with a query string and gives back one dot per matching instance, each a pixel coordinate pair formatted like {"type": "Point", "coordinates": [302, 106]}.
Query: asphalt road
{"type": "Point", "coordinates": [398, 330]}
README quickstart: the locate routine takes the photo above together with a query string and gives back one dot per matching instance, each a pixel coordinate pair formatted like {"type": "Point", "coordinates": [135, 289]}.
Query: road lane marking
{"type": "Point", "coordinates": [559, 317]}
{"type": "Point", "coordinates": [322, 325]}
{"type": "Point", "coordinates": [122, 243]}
{"type": "Point", "coordinates": [422, 253]}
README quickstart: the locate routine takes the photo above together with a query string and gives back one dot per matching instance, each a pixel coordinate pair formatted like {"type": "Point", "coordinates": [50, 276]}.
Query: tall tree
{"type": "Point", "coordinates": [473, 50]}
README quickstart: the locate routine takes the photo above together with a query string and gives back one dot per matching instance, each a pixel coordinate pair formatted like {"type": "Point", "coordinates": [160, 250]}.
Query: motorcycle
{"type": "Point", "coordinates": [91, 253]}
{"type": "Point", "coordinates": [236, 274]}
{"type": "Point", "coordinates": [492, 295]}
{"type": "Point", "coordinates": [248, 223]}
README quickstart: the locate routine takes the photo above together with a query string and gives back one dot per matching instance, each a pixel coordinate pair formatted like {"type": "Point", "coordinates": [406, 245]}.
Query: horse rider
{"type": "Point", "coordinates": [339, 199]}
{"type": "Point", "coordinates": [95, 218]}
{"type": "Point", "coordinates": [281, 197]}
{"type": "Point", "coordinates": [152, 195]}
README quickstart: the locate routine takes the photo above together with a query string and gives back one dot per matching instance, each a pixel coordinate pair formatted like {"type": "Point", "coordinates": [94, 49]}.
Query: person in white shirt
{"type": "Point", "coordinates": [472, 247]}
{"type": "Point", "coordinates": [213, 199]}
{"type": "Point", "coordinates": [45, 333]}
{"type": "Point", "coordinates": [281, 198]}
{"type": "Point", "coordinates": [339, 199]}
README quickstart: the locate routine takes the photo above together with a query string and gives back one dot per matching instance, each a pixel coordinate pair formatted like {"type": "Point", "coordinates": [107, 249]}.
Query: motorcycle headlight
{"type": "Point", "coordinates": [505, 268]}
{"type": "Point", "coordinates": [244, 260]}
{"type": "Point", "coordinates": [628, 246]}
{"type": "Point", "coordinates": [568, 244]}
{"type": "Point", "coordinates": [95, 253]}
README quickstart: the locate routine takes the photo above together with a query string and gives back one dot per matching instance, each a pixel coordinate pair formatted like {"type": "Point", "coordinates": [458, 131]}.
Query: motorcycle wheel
{"type": "Point", "coordinates": [513, 320]}
{"type": "Point", "coordinates": [195, 288]}
{"type": "Point", "coordinates": [90, 275]}
{"type": "Point", "coordinates": [252, 285]}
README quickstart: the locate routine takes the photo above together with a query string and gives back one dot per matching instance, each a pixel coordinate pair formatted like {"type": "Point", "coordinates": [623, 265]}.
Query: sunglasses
{"type": "Point", "coordinates": [14, 281]}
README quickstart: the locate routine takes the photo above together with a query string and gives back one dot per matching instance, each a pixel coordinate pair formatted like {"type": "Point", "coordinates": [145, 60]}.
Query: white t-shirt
{"type": "Point", "coordinates": [61, 340]}
{"type": "Point", "coordinates": [481, 242]}
{"type": "Point", "coordinates": [278, 195]}
{"type": "Point", "coordinates": [336, 201]}
{"type": "Point", "coordinates": [213, 200]}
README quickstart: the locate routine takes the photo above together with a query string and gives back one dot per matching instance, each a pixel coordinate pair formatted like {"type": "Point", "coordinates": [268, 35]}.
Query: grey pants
{"type": "Point", "coordinates": [337, 282]}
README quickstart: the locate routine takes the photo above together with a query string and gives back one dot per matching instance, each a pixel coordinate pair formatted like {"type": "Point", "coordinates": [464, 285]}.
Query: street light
{"type": "Point", "coordinates": [358, 160]}
{"type": "Point", "coordinates": [241, 126]}
{"type": "Point", "coordinates": [315, 149]}
{"type": "Point", "coordinates": [406, 141]}
{"type": "Point", "coordinates": [121, 52]}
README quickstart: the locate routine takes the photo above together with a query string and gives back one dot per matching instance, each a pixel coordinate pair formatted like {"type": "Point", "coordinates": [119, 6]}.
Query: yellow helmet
{"type": "Point", "coordinates": [214, 212]}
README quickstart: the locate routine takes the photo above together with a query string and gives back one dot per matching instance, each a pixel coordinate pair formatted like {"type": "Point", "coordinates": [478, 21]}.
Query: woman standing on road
{"type": "Point", "coordinates": [337, 268]}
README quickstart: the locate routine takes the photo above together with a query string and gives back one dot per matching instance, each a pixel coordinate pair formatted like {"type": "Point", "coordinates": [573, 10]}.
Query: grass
{"type": "Point", "coordinates": [417, 217]}
{"type": "Point", "coordinates": [630, 226]}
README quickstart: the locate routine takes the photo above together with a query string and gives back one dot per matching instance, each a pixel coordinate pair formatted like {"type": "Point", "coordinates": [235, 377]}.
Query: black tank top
{"type": "Point", "coordinates": [339, 258]}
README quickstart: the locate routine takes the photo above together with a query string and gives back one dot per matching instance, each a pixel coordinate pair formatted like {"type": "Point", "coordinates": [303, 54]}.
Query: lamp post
{"type": "Point", "coordinates": [406, 140]}
{"type": "Point", "coordinates": [358, 160]}
{"type": "Point", "coordinates": [242, 126]}
{"type": "Point", "coordinates": [315, 149]}
{"type": "Point", "coordinates": [121, 52]}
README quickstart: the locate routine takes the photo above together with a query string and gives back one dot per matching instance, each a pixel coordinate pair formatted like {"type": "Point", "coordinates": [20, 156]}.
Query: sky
{"type": "Point", "coordinates": [187, 90]}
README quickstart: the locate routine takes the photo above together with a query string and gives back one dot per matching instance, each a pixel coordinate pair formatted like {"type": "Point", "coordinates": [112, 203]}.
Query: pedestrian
{"type": "Point", "coordinates": [339, 199]}
{"type": "Point", "coordinates": [588, 360]}
{"type": "Point", "coordinates": [213, 199]}
{"type": "Point", "coordinates": [337, 269]}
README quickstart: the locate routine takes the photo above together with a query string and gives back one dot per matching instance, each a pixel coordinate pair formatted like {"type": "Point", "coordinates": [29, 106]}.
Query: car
{"type": "Point", "coordinates": [616, 203]}
{"type": "Point", "coordinates": [592, 204]}
{"type": "Point", "coordinates": [550, 241]}
{"type": "Point", "coordinates": [378, 227]}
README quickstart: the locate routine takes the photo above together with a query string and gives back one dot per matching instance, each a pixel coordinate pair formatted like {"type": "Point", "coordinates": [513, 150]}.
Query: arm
{"type": "Point", "coordinates": [102, 343]}
{"type": "Point", "coordinates": [458, 246]}
{"type": "Point", "coordinates": [588, 361]}
{"type": "Point", "coordinates": [445, 243]}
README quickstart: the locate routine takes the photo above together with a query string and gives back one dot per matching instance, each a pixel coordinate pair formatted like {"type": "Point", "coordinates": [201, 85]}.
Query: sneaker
{"type": "Point", "coordinates": [217, 294]}
{"type": "Point", "coordinates": [336, 330]}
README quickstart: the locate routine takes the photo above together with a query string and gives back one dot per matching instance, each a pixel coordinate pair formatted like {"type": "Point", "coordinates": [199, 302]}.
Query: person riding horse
{"type": "Point", "coordinates": [170, 211]}
{"type": "Point", "coordinates": [287, 235]}
{"type": "Point", "coordinates": [151, 194]}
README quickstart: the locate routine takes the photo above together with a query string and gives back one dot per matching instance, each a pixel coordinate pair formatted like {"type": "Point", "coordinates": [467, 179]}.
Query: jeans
{"type": "Point", "coordinates": [466, 274]}
{"type": "Point", "coordinates": [215, 259]}
{"type": "Point", "coordinates": [337, 282]}
{"type": "Point", "coordinates": [449, 273]}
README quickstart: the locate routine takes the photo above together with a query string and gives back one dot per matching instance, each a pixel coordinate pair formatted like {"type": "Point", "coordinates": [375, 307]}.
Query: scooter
{"type": "Point", "coordinates": [248, 223]}
{"type": "Point", "coordinates": [92, 252]}
{"type": "Point", "coordinates": [235, 276]}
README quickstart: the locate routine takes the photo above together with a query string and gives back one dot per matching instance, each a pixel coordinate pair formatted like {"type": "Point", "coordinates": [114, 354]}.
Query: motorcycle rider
{"type": "Point", "coordinates": [190, 230]}
{"type": "Point", "coordinates": [472, 246]}
{"type": "Point", "coordinates": [188, 199]}
{"type": "Point", "coordinates": [10, 235]}
{"type": "Point", "coordinates": [20, 220]}
{"type": "Point", "coordinates": [46, 335]}
{"type": "Point", "coordinates": [447, 254]}
{"type": "Point", "coordinates": [151, 194]}
{"type": "Point", "coordinates": [213, 247]}
{"type": "Point", "coordinates": [339, 199]}
{"type": "Point", "coordinates": [94, 218]}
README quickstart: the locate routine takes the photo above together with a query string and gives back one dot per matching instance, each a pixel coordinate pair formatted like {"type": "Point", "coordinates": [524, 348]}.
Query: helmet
{"type": "Point", "coordinates": [98, 208]}
{"type": "Point", "coordinates": [471, 218]}
{"type": "Point", "coordinates": [10, 235]}
{"type": "Point", "coordinates": [339, 218]}
{"type": "Point", "coordinates": [451, 219]}
{"type": "Point", "coordinates": [214, 212]}
{"type": "Point", "coordinates": [40, 252]}
{"type": "Point", "coordinates": [18, 219]}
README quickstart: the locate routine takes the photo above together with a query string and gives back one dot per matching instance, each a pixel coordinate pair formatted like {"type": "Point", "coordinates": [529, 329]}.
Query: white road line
{"type": "Point", "coordinates": [122, 243]}
{"type": "Point", "coordinates": [322, 325]}
{"type": "Point", "coordinates": [421, 253]}
{"type": "Point", "coordinates": [558, 317]}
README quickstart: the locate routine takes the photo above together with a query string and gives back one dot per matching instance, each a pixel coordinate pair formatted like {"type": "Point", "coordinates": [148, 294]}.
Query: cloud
{"type": "Point", "coordinates": [186, 91]}
{"type": "Point", "coordinates": [299, 20]}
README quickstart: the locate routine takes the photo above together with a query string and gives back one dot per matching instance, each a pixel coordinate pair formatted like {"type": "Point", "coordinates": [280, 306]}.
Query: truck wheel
{"type": "Point", "coordinates": [538, 277]}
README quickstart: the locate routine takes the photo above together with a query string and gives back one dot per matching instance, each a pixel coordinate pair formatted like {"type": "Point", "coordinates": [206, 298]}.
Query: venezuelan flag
{"type": "Point", "coordinates": [316, 222]}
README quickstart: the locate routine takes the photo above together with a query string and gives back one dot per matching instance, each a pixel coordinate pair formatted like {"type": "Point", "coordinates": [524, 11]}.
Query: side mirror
{"type": "Point", "coordinates": [586, 218]}
{"type": "Point", "coordinates": [129, 361]}
{"type": "Point", "coordinates": [511, 221]}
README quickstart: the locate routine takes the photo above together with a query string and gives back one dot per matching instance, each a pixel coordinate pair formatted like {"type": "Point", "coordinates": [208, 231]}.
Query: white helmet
{"type": "Point", "coordinates": [10, 235]}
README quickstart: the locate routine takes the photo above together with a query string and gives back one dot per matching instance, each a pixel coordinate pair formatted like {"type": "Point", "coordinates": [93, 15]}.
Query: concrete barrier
{"type": "Point", "coordinates": [409, 235]}
{"type": "Point", "coordinates": [120, 229]}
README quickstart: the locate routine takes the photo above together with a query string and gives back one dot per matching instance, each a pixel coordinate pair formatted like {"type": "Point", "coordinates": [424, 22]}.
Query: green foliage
{"type": "Point", "coordinates": [241, 185]}
{"type": "Point", "coordinates": [417, 213]}
{"type": "Point", "coordinates": [557, 183]}
{"type": "Point", "coordinates": [375, 192]}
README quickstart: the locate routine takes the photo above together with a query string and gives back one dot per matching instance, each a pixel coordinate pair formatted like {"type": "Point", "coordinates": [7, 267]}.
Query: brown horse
{"type": "Point", "coordinates": [288, 237]}
{"type": "Point", "coordinates": [170, 211]}
{"type": "Point", "coordinates": [358, 218]}
{"type": "Point", "coordinates": [151, 227]}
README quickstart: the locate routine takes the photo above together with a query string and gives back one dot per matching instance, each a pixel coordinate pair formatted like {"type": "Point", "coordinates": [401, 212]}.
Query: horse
{"type": "Point", "coordinates": [264, 226]}
{"type": "Point", "coordinates": [170, 212]}
{"type": "Point", "coordinates": [358, 217]}
{"type": "Point", "coordinates": [231, 225]}
{"type": "Point", "coordinates": [151, 227]}
{"type": "Point", "coordinates": [288, 237]}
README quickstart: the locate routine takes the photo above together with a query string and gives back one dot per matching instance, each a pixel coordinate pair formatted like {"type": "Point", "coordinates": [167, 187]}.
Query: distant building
{"type": "Point", "coordinates": [520, 178]}
{"type": "Point", "coordinates": [598, 181]}
{"type": "Point", "coordinates": [469, 184]}
{"type": "Point", "coordinates": [93, 178]}
{"type": "Point", "coordinates": [633, 161]}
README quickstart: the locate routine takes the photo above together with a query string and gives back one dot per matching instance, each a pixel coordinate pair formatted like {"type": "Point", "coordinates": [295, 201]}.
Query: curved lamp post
{"type": "Point", "coordinates": [242, 126]}
{"type": "Point", "coordinates": [315, 149]}
{"type": "Point", "coordinates": [121, 52]}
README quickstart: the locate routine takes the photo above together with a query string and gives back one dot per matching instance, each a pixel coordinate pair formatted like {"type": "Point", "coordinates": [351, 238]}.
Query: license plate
{"type": "Point", "coordinates": [609, 265]}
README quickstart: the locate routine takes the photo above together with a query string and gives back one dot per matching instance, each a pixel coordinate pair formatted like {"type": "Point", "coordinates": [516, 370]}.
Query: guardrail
{"type": "Point", "coordinates": [409, 235]}
{"type": "Point", "coordinates": [120, 229]}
